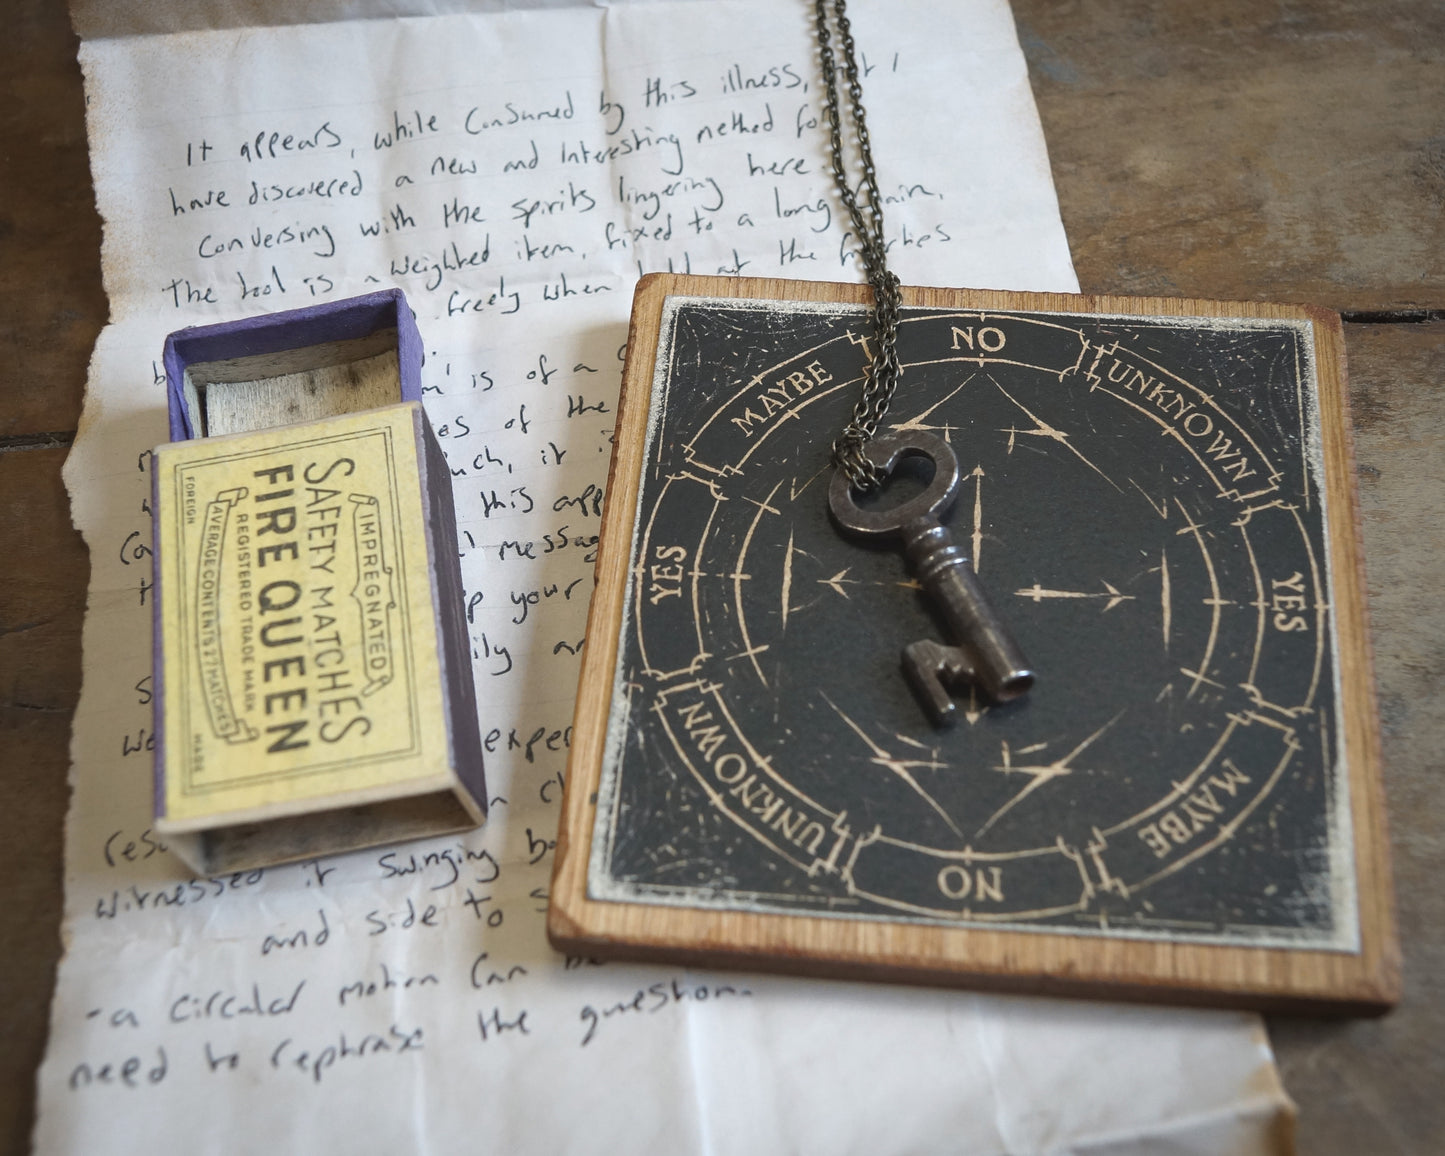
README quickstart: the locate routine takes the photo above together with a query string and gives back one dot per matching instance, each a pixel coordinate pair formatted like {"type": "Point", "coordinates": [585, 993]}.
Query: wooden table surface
{"type": "Point", "coordinates": [1289, 150]}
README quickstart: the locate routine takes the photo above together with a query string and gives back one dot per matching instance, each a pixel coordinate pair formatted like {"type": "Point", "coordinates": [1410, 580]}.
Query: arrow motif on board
{"type": "Point", "coordinates": [840, 580]}
{"type": "Point", "coordinates": [903, 768]}
{"type": "Point", "coordinates": [1039, 773]}
{"type": "Point", "coordinates": [1038, 594]}
{"type": "Point", "coordinates": [787, 577]}
{"type": "Point", "coordinates": [1042, 429]}
{"type": "Point", "coordinates": [920, 421]}
{"type": "Point", "coordinates": [836, 582]}
{"type": "Point", "coordinates": [794, 489]}
{"type": "Point", "coordinates": [977, 476]}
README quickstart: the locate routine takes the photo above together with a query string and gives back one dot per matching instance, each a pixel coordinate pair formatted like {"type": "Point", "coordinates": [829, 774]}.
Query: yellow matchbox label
{"type": "Point", "coordinates": [299, 642]}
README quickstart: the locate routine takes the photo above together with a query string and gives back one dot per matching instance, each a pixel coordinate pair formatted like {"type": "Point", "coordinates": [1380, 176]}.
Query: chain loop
{"type": "Point", "coordinates": [881, 377]}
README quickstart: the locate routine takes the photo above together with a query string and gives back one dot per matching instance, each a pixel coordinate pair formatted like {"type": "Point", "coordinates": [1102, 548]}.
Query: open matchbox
{"type": "Point", "coordinates": [313, 678]}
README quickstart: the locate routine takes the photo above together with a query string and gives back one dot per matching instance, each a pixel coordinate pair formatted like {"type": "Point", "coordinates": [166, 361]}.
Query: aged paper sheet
{"type": "Point", "coordinates": [514, 173]}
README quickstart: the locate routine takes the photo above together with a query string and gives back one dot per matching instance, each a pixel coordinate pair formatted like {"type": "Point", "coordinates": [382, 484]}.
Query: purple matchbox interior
{"type": "Point", "coordinates": [272, 333]}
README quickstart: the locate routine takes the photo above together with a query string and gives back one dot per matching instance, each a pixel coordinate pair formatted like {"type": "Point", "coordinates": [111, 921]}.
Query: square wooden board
{"type": "Point", "coordinates": [1187, 808]}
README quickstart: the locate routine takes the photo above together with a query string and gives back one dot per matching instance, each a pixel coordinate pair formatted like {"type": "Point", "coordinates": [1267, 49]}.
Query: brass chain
{"type": "Point", "coordinates": [881, 377]}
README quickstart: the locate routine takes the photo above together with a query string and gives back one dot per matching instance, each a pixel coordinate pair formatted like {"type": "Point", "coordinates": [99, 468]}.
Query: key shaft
{"type": "Point", "coordinates": [946, 574]}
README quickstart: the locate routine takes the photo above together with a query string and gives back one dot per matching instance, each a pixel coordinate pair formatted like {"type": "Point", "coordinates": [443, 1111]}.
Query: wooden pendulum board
{"type": "Point", "coordinates": [1159, 500]}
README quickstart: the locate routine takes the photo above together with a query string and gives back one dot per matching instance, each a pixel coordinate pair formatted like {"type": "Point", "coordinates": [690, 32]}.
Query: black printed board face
{"type": "Point", "coordinates": [1144, 501]}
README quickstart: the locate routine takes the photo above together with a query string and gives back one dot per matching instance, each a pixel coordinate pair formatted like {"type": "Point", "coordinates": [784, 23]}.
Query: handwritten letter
{"type": "Point", "coordinates": [514, 174]}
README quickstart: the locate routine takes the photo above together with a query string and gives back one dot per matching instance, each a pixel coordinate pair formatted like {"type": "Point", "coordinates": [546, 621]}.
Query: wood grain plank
{"type": "Point", "coordinates": [42, 598]}
{"type": "Point", "coordinates": [1374, 1086]}
{"type": "Point", "coordinates": [1169, 182]}
{"type": "Point", "coordinates": [1288, 152]}
{"type": "Point", "coordinates": [52, 306]}
{"type": "Point", "coordinates": [51, 301]}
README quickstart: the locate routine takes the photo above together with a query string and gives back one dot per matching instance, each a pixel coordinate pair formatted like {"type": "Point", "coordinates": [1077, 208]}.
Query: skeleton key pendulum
{"type": "Point", "coordinates": [984, 655]}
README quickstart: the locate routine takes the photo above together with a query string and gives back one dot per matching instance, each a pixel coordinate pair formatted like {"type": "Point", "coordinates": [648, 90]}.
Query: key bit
{"type": "Point", "coordinates": [986, 655]}
{"type": "Point", "coordinates": [932, 670]}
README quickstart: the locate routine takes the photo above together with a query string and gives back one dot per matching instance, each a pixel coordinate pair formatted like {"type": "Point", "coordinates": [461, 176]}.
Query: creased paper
{"type": "Point", "coordinates": [514, 173]}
